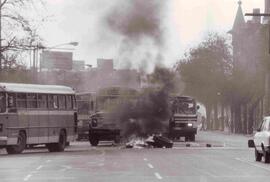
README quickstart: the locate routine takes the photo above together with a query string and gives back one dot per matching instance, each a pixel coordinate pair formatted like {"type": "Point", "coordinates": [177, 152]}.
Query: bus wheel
{"type": "Point", "coordinates": [93, 140]}
{"type": "Point", "coordinates": [60, 146]}
{"type": "Point", "coordinates": [21, 144]}
{"type": "Point", "coordinates": [117, 139]}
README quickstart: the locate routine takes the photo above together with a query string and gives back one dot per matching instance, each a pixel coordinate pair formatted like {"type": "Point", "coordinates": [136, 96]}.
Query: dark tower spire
{"type": "Point", "coordinates": [239, 20]}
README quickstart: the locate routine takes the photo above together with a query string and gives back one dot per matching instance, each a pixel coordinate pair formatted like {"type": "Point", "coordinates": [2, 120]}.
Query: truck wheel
{"type": "Point", "coordinates": [192, 137]}
{"type": "Point", "coordinates": [258, 156]}
{"type": "Point", "coordinates": [21, 144]}
{"type": "Point", "coordinates": [93, 140]}
{"type": "Point", "coordinates": [266, 156]}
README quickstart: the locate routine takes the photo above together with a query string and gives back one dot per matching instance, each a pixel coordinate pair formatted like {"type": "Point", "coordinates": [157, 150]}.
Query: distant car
{"type": "Point", "coordinates": [261, 141]}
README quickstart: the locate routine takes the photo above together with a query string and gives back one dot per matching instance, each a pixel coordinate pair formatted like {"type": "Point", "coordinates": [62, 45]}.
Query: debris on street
{"type": "Point", "coordinates": [154, 141]}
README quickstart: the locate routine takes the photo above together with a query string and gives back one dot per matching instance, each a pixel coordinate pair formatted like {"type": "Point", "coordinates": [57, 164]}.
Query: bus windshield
{"type": "Point", "coordinates": [2, 103]}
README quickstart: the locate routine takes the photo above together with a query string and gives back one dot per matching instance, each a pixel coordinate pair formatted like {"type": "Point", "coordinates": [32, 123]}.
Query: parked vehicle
{"type": "Point", "coordinates": [32, 114]}
{"type": "Point", "coordinates": [261, 141]}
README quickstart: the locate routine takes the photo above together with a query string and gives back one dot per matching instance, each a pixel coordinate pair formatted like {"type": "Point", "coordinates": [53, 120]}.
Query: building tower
{"type": "Point", "coordinates": [266, 10]}
{"type": "Point", "coordinates": [237, 34]}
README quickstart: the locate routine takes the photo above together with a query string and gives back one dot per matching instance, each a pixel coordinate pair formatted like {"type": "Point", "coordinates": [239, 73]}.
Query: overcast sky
{"type": "Point", "coordinates": [185, 23]}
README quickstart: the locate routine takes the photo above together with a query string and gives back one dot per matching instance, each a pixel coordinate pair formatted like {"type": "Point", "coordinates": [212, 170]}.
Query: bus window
{"type": "Point", "coordinates": [32, 100]}
{"type": "Point", "coordinates": [51, 102]}
{"type": "Point", "coordinates": [55, 102]}
{"type": "Point", "coordinates": [69, 102]}
{"type": "Point", "coordinates": [74, 102]}
{"type": "Point", "coordinates": [11, 100]}
{"type": "Point", "coordinates": [2, 103]}
{"type": "Point", "coordinates": [21, 100]}
{"type": "Point", "coordinates": [42, 101]}
{"type": "Point", "coordinates": [62, 102]}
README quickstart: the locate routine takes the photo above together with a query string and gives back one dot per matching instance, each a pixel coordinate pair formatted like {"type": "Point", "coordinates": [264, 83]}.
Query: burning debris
{"type": "Point", "coordinates": [154, 141]}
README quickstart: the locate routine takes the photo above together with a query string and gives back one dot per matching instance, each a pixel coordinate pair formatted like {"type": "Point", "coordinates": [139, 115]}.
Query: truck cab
{"type": "Point", "coordinates": [184, 118]}
{"type": "Point", "coordinates": [102, 127]}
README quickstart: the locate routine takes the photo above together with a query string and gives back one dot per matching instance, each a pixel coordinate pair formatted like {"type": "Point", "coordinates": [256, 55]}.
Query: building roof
{"type": "Point", "coordinates": [35, 88]}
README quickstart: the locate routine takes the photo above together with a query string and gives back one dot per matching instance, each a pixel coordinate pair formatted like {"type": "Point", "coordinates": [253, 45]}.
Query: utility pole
{"type": "Point", "coordinates": [266, 100]}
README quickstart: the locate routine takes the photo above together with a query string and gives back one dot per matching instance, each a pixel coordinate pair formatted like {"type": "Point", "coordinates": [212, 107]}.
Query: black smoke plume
{"type": "Point", "coordinates": [137, 19]}
{"type": "Point", "coordinates": [149, 112]}
{"type": "Point", "coordinates": [140, 24]}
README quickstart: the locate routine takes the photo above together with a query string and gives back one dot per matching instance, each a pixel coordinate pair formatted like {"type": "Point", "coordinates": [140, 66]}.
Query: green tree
{"type": "Point", "coordinates": [206, 70]}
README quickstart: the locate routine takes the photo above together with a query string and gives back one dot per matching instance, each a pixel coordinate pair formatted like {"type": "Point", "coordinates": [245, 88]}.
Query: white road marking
{"type": "Point", "coordinates": [150, 166]}
{"type": "Point", "coordinates": [65, 168]}
{"type": "Point", "coordinates": [158, 176]}
{"type": "Point", "coordinates": [27, 177]}
{"type": "Point", "coordinates": [252, 164]}
{"type": "Point", "coordinates": [47, 161]}
{"type": "Point", "coordinates": [39, 167]}
{"type": "Point", "coordinates": [145, 159]}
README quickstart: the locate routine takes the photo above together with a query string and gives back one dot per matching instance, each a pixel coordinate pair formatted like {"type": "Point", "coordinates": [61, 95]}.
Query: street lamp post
{"type": "Point", "coordinates": [41, 47]}
{"type": "Point", "coordinates": [49, 48]}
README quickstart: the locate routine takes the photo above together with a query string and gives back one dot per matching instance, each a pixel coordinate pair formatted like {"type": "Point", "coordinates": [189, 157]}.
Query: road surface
{"type": "Point", "coordinates": [228, 159]}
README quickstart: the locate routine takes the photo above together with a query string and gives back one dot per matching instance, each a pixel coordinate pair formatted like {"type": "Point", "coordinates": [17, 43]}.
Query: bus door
{"type": "Point", "coordinates": [54, 118]}
{"type": "Point", "coordinates": [43, 119]}
{"type": "Point", "coordinates": [32, 112]}
{"type": "Point", "coordinates": [23, 115]}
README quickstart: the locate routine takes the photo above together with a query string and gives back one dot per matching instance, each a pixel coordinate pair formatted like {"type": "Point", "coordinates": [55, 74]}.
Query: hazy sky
{"type": "Point", "coordinates": [186, 22]}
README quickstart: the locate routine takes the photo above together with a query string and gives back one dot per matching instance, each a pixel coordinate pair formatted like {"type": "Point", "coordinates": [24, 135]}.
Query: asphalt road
{"type": "Point", "coordinates": [228, 159]}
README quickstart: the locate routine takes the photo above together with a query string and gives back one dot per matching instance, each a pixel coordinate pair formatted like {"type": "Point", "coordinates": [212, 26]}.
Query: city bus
{"type": "Point", "coordinates": [32, 114]}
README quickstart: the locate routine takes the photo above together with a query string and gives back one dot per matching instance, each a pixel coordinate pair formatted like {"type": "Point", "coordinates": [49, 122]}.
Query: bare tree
{"type": "Point", "coordinates": [18, 31]}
